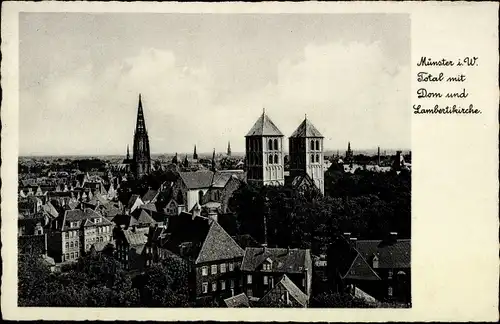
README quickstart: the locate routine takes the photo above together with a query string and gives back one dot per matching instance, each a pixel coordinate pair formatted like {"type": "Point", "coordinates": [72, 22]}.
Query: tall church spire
{"type": "Point", "coordinates": [228, 148]}
{"type": "Point", "coordinates": [140, 126]}
{"type": "Point", "coordinates": [195, 155]}
{"type": "Point", "coordinates": [142, 157]}
{"type": "Point", "coordinates": [128, 152]}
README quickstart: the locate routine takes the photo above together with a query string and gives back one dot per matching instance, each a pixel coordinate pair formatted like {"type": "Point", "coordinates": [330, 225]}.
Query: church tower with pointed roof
{"type": "Point", "coordinates": [306, 153]}
{"type": "Point", "coordinates": [141, 154]}
{"type": "Point", "coordinates": [264, 153]}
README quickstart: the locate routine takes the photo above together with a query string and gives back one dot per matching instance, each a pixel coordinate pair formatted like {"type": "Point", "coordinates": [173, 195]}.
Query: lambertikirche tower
{"type": "Point", "coordinates": [141, 159]}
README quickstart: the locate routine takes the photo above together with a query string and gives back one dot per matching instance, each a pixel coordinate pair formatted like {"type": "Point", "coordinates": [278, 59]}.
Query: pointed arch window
{"type": "Point", "coordinates": [276, 144]}
{"type": "Point", "coordinates": [312, 158]}
{"type": "Point", "coordinates": [317, 145]}
{"type": "Point", "coordinates": [317, 158]}
{"type": "Point", "coordinates": [312, 144]}
{"type": "Point", "coordinates": [270, 144]}
{"type": "Point", "coordinates": [270, 159]}
{"type": "Point", "coordinates": [275, 158]}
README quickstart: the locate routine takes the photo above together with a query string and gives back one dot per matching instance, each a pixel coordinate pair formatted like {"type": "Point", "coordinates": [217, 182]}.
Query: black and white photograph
{"type": "Point", "coordinates": [214, 160]}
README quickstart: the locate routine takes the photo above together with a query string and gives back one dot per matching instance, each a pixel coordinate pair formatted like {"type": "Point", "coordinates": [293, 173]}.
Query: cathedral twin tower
{"type": "Point", "coordinates": [265, 156]}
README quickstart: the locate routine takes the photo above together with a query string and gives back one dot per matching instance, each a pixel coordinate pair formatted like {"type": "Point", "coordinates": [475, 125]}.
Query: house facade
{"type": "Point", "coordinates": [262, 268]}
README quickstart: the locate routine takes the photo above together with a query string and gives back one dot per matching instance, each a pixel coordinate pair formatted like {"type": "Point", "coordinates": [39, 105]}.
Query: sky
{"type": "Point", "coordinates": [205, 79]}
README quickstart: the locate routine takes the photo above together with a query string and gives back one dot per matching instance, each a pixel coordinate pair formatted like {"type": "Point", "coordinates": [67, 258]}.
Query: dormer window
{"type": "Point", "coordinates": [375, 262]}
{"type": "Point", "coordinates": [97, 220]}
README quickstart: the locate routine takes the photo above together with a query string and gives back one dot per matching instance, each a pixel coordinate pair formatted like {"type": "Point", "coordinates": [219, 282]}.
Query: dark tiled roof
{"type": "Point", "coordinates": [306, 129]}
{"type": "Point", "coordinates": [139, 237]}
{"type": "Point", "coordinates": [132, 201]}
{"type": "Point", "coordinates": [240, 300]}
{"type": "Point", "coordinates": [264, 127]}
{"type": "Point", "coordinates": [391, 255]}
{"type": "Point", "coordinates": [143, 217]}
{"type": "Point", "coordinates": [150, 195]}
{"type": "Point", "coordinates": [149, 206]}
{"type": "Point", "coordinates": [218, 245]}
{"type": "Point", "coordinates": [361, 270]}
{"type": "Point", "coordinates": [184, 228]}
{"type": "Point", "coordinates": [197, 180]}
{"type": "Point", "coordinates": [245, 241]}
{"type": "Point", "coordinates": [293, 290]}
{"type": "Point", "coordinates": [283, 260]}
{"type": "Point", "coordinates": [79, 214]}
{"type": "Point", "coordinates": [124, 220]}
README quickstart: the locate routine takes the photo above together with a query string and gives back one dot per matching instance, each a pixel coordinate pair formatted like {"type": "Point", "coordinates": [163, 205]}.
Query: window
{"type": "Point", "coordinates": [67, 256]}
{"type": "Point", "coordinates": [312, 158]}
{"type": "Point", "coordinates": [270, 145]}
{"type": "Point", "coordinates": [389, 292]}
{"type": "Point", "coordinates": [249, 279]}
{"type": "Point", "coordinates": [231, 283]}
{"type": "Point", "coordinates": [270, 159]}
{"type": "Point", "coordinates": [71, 245]}
{"type": "Point", "coordinates": [223, 268]}
{"type": "Point", "coordinates": [204, 287]}
{"type": "Point", "coordinates": [317, 158]}
{"type": "Point", "coordinates": [214, 269]}
{"type": "Point", "coordinates": [312, 144]}
{"type": "Point", "coordinates": [214, 286]}
{"type": "Point", "coordinates": [231, 266]}
{"type": "Point", "coordinates": [67, 245]}
{"type": "Point", "coordinates": [204, 271]}
{"type": "Point", "coordinates": [223, 285]}
{"type": "Point", "coordinates": [249, 292]}
{"type": "Point", "coordinates": [275, 158]}
{"type": "Point", "coordinates": [266, 266]}
{"type": "Point", "coordinates": [72, 255]}
{"type": "Point", "coordinates": [200, 196]}
{"type": "Point", "coordinates": [276, 144]}
{"type": "Point", "coordinates": [76, 243]}
{"type": "Point", "coordinates": [97, 220]}
{"type": "Point", "coordinates": [76, 254]}
{"type": "Point", "coordinates": [266, 280]}
{"type": "Point", "coordinates": [66, 235]}
{"type": "Point", "coordinates": [390, 274]}
{"type": "Point", "coordinates": [317, 145]}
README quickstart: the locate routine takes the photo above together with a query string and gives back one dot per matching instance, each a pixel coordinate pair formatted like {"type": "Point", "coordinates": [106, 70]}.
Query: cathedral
{"type": "Point", "coordinates": [265, 154]}
{"type": "Point", "coordinates": [140, 163]}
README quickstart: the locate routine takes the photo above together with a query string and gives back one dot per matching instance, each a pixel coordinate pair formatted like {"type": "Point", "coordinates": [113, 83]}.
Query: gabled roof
{"type": "Point", "coordinates": [218, 245]}
{"type": "Point", "coordinates": [143, 217]}
{"type": "Point", "coordinates": [237, 301]}
{"type": "Point", "coordinates": [283, 260]}
{"type": "Point", "coordinates": [293, 290]}
{"type": "Point", "coordinates": [360, 269]}
{"type": "Point", "coordinates": [395, 254]}
{"type": "Point", "coordinates": [132, 201]}
{"type": "Point", "coordinates": [306, 129]}
{"type": "Point", "coordinates": [264, 127]}
{"type": "Point", "coordinates": [197, 179]}
{"type": "Point", "coordinates": [150, 195]}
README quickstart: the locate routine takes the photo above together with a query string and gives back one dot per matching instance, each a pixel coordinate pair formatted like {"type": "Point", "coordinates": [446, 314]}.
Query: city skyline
{"type": "Point", "coordinates": [207, 79]}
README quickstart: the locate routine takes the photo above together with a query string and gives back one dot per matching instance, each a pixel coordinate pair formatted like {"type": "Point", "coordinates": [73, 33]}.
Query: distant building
{"type": "Point", "coordinates": [141, 154]}
{"type": "Point", "coordinates": [264, 153]}
{"type": "Point", "coordinates": [306, 153]}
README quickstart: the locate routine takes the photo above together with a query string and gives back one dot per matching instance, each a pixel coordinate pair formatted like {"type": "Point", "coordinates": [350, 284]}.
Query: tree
{"type": "Point", "coordinates": [338, 300]}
